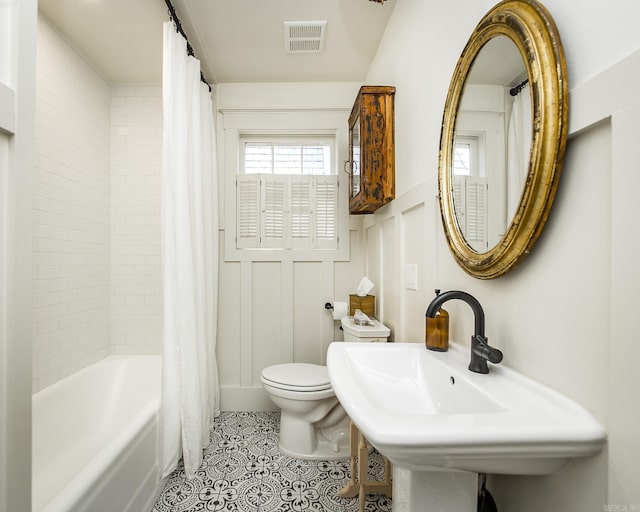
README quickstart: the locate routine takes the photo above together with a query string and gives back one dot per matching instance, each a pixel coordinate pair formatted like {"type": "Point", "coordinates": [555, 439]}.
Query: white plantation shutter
{"type": "Point", "coordinates": [470, 197]}
{"type": "Point", "coordinates": [476, 212]}
{"type": "Point", "coordinates": [287, 212]}
{"type": "Point", "coordinates": [459, 200]}
{"type": "Point", "coordinates": [248, 211]}
{"type": "Point", "coordinates": [287, 196]}
{"type": "Point", "coordinates": [326, 212]}
{"type": "Point", "coordinates": [274, 204]}
{"type": "Point", "coordinates": [301, 212]}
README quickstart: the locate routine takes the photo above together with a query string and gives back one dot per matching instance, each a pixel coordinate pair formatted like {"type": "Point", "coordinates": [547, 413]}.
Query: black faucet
{"type": "Point", "coordinates": [481, 352]}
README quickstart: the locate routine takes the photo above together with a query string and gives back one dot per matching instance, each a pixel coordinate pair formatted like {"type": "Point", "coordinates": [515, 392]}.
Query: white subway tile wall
{"type": "Point", "coordinates": [97, 261]}
{"type": "Point", "coordinates": [71, 206]}
{"type": "Point", "coordinates": [136, 266]}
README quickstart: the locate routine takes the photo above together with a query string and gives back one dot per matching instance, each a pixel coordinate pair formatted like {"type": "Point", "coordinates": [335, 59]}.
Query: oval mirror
{"type": "Point", "coordinates": [503, 138]}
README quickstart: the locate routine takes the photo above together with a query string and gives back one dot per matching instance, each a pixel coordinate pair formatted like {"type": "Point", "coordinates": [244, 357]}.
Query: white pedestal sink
{"type": "Point", "coordinates": [444, 424]}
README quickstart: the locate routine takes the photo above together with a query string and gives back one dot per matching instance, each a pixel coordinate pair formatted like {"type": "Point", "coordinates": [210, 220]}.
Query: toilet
{"type": "Point", "coordinates": [313, 424]}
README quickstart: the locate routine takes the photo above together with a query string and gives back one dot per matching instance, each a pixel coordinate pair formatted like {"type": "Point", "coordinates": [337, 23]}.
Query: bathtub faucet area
{"type": "Point", "coordinates": [481, 352]}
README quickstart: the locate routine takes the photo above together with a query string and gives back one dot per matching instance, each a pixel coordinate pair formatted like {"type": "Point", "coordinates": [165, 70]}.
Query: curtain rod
{"type": "Point", "coordinates": [178, 25]}
{"type": "Point", "coordinates": [516, 90]}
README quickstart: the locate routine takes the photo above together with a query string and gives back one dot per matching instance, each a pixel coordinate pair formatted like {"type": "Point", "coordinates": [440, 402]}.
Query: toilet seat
{"type": "Point", "coordinates": [301, 377]}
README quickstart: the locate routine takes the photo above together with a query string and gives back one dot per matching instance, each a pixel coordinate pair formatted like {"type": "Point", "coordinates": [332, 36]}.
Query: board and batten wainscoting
{"type": "Point", "coordinates": [272, 301]}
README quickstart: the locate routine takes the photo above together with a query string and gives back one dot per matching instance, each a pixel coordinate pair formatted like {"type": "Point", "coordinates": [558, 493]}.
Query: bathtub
{"type": "Point", "coordinates": [94, 438]}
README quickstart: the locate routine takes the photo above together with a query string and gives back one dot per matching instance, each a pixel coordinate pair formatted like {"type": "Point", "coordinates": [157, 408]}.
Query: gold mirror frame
{"type": "Point", "coordinates": [530, 26]}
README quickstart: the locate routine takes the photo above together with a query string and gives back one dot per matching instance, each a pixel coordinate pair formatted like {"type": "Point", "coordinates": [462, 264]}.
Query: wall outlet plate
{"type": "Point", "coordinates": [411, 276]}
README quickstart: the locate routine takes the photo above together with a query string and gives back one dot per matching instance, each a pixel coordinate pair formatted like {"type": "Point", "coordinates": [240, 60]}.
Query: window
{"type": "Point", "coordinates": [286, 193]}
{"type": "Point", "coordinates": [466, 158]}
{"type": "Point", "coordinates": [302, 157]}
{"type": "Point", "coordinates": [470, 191]}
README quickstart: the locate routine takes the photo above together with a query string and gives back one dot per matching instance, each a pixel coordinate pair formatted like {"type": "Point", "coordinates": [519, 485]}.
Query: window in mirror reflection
{"type": "Point", "coordinates": [487, 191]}
{"type": "Point", "coordinates": [462, 159]}
{"type": "Point", "coordinates": [470, 191]}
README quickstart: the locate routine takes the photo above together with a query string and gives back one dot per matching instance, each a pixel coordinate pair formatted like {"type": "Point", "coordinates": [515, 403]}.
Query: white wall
{"type": "Point", "coordinates": [564, 317]}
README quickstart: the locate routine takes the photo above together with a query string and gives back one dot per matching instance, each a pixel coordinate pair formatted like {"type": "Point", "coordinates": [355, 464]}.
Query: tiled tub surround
{"type": "Point", "coordinates": [94, 438]}
{"type": "Point", "coordinates": [71, 212]}
{"type": "Point", "coordinates": [136, 261]}
{"type": "Point", "coordinates": [96, 210]}
{"type": "Point", "coordinates": [244, 471]}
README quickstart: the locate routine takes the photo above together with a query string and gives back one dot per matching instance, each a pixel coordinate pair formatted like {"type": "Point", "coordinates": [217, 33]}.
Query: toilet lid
{"type": "Point", "coordinates": [297, 376]}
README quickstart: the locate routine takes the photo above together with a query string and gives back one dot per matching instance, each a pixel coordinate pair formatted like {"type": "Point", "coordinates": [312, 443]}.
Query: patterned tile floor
{"type": "Point", "coordinates": [244, 471]}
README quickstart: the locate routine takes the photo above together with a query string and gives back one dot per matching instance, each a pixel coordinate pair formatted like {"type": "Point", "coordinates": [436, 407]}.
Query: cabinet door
{"type": "Point", "coordinates": [371, 150]}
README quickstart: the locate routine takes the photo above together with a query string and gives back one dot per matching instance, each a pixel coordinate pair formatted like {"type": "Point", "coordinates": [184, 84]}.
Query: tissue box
{"type": "Point", "coordinates": [366, 304]}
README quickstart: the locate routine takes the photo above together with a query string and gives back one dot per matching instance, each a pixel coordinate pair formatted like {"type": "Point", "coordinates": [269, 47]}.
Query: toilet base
{"type": "Point", "coordinates": [323, 451]}
{"type": "Point", "coordinates": [301, 440]}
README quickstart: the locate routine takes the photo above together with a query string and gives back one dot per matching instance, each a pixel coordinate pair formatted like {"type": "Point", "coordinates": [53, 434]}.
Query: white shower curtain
{"type": "Point", "coordinates": [518, 148]}
{"type": "Point", "coordinates": [190, 392]}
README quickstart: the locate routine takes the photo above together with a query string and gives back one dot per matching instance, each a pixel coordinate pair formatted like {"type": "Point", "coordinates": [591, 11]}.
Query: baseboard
{"type": "Point", "coordinates": [236, 398]}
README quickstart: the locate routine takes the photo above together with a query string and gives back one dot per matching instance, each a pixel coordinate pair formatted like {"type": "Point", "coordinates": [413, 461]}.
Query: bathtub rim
{"type": "Point", "coordinates": [81, 483]}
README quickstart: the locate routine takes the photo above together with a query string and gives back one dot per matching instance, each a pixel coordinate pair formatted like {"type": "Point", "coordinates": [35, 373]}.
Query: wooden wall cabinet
{"type": "Point", "coordinates": [371, 164]}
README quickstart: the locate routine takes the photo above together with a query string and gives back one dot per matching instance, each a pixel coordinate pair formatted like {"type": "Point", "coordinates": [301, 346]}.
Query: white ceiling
{"type": "Point", "coordinates": [498, 63]}
{"type": "Point", "coordinates": [121, 38]}
{"type": "Point", "coordinates": [235, 40]}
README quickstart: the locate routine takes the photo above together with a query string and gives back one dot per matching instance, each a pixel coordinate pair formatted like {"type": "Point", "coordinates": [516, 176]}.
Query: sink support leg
{"type": "Point", "coordinates": [364, 486]}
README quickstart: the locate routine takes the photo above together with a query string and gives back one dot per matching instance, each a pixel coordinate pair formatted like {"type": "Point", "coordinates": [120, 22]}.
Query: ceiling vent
{"type": "Point", "coordinates": [304, 36]}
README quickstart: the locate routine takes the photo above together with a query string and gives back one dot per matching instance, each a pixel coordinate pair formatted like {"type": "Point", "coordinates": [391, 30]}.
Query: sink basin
{"type": "Point", "coordinates": [425, 411]}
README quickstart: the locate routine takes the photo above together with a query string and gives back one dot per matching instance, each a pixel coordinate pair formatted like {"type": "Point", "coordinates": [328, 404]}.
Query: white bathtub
{"type": "Point", "coordinates": [94, 438]}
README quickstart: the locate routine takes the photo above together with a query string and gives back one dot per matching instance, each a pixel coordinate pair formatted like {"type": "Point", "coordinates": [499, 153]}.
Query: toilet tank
{"type": "Point", "coordinates": [365, 333]}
